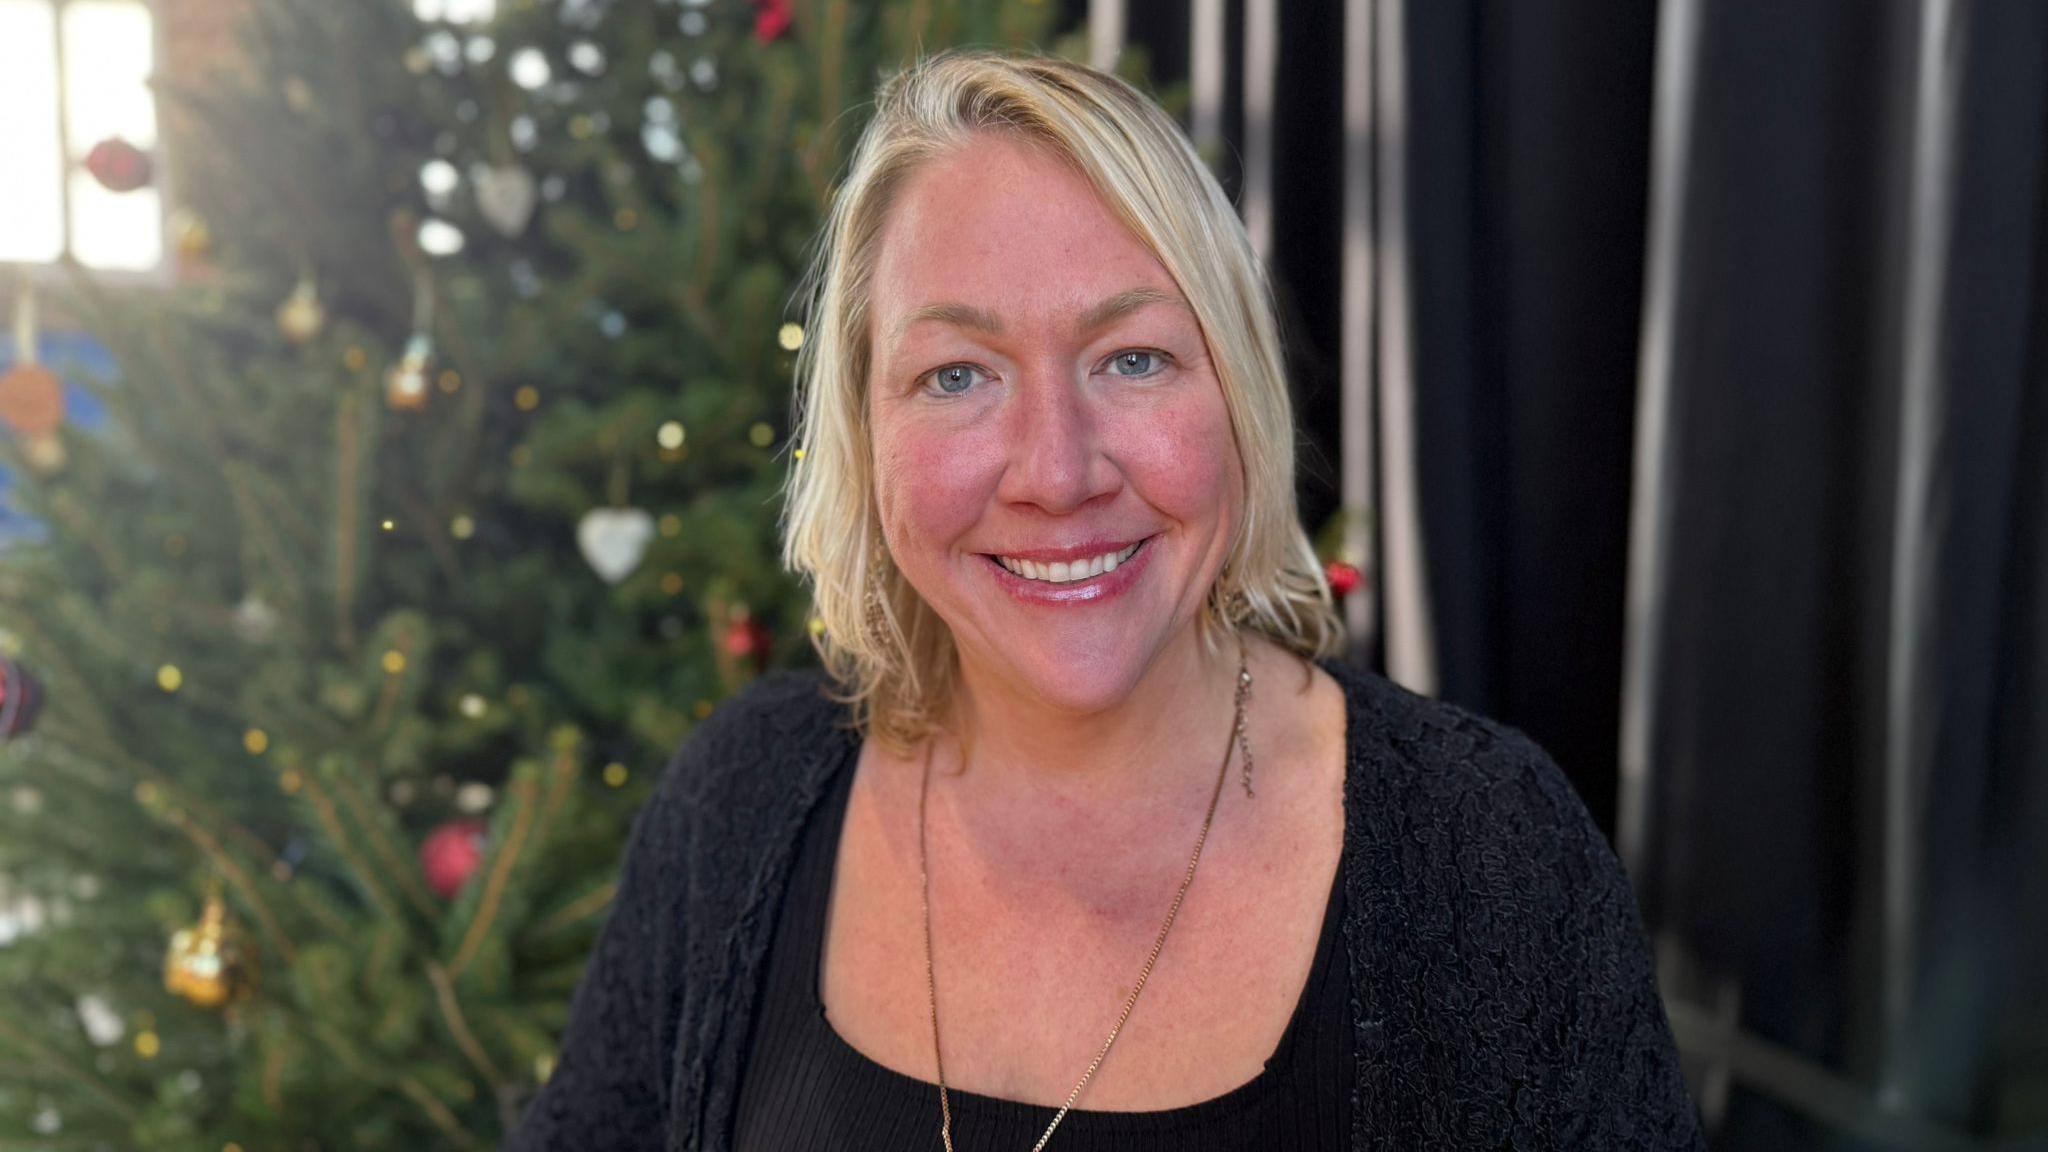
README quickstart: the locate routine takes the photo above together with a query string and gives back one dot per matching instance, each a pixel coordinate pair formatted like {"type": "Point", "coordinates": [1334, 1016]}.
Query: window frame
{"type": "Point", "coordinates": [165, 273]}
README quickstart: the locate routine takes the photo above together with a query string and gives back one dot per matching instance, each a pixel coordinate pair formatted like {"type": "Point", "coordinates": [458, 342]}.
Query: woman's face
{"type": "Point", "coordinates": [1040, 392]}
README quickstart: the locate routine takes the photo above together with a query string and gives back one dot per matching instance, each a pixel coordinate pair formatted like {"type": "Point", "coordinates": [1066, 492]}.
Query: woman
{"type": "Point", "coordinates": [1082, 840]}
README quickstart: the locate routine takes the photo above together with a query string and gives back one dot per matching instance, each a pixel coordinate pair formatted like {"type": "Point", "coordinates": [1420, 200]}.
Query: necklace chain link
{"type": "Point", "coordinates": [1239, 741]}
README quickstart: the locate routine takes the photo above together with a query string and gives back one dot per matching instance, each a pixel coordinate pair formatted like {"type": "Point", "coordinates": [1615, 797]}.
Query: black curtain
{"type": "Point", "coordinates": [1854, 572]}
{"type": "Point", "coordinates": [1853, 491]}
{"type": "Point", "coordinates": [1528, 168]}
{"type": "Point", "coordinates": [1974, 1040]}
{"type": "Point", "coordinates": [1784, 418]}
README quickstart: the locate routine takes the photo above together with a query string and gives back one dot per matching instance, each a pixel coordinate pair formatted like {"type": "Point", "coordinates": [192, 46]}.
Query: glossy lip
{"type": "Point", "coordinates": [1094, 590]}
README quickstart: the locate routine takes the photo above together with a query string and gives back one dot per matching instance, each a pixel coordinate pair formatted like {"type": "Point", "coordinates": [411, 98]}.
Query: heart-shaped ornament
{"type": "Point", "coordinates": [614, 540]}
{"type": "Point", "coordinates": [506, 196]}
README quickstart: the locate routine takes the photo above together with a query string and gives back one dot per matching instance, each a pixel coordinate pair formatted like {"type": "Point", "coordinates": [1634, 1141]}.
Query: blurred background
{"type": "Point", "coordinates": [394, 402]}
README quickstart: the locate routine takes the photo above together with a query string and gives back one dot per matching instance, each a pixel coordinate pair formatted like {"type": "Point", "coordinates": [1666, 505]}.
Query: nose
{"type": "Point", "coordinates": [1056, 458]}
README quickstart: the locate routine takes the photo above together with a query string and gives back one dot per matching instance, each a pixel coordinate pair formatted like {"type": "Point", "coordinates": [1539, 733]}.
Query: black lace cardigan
{"type": "Point", "coordinates": [1502, 989]}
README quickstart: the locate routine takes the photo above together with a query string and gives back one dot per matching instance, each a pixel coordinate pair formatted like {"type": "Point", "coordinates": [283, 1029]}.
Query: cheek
{"type": "Point", "coordinates": [932, 484]}
{"type": "Point", "coordinates": [1181, 459]}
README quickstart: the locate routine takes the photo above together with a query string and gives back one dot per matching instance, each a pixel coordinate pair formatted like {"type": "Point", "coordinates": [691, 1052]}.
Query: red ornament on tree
{"type": "Point", "coordinates": [118, 165]}
{"type": "Point", "coordinates": [747, 639]}
{"type": "Point", "coordinates": [451, 855]}
{"type": "Point", "coordinates": [20, 696]}
{"type": "Point", "coordinates": [1344, 578]}
{"type": "Point", "coordinates": [771, 19]}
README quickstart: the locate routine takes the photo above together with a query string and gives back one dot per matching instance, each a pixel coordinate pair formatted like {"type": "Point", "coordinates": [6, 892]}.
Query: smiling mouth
{"type": "Point", "coordinates": [1068, 572]}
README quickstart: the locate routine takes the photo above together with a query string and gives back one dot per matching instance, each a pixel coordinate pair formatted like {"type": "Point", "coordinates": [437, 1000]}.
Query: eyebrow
{"type": "Point", "coordinates": [1112, 309]}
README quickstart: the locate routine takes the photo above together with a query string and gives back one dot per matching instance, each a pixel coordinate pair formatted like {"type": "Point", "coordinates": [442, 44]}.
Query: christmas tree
{"type": "Point", "coordinates": [431, 510]}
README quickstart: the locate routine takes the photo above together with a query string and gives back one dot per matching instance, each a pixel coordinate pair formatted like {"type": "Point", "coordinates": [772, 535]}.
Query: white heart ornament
{"type": "Point", "coordinates": [506, 196]}
{"type": "Point", "coordinates": [614, 540]}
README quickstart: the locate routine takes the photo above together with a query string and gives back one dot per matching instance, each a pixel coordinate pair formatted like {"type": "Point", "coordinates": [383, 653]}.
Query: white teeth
{"type": "Point", "coordinates": [1066, 572]}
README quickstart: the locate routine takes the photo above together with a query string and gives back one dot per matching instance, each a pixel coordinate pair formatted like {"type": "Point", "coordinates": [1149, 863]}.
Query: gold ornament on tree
{"type": "Point", "coordinates": [407, 381]}
{"type": "Point", "coordinates": [302, 317]}
{"type": "Point", "coordinates": [193, 240]}
{"type": "Point", "coordinates": [405, 384]}
{"type": "Point", "coordinates": [210, 964]}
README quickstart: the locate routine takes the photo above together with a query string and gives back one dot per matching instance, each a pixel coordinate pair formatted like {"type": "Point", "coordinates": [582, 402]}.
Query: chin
{"type": "Point", "coordinates": [1076, 667]}
{"type": "Point", "coordinates": [1093, 683]}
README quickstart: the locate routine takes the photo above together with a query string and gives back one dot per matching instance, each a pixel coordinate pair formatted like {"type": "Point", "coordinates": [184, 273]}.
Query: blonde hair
{"type": "Point", "coordinates": [891, 654]}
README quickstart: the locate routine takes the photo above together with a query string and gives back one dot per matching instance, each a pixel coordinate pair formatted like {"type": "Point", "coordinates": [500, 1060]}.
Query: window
{"type": "Point", "coordinates": [74, 74]}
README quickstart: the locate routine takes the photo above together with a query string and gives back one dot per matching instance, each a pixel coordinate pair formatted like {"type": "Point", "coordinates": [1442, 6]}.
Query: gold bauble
{"type": "Point", "coordinates": [208, 963]}
{"type": "Point", "coordinates": [302, 316]}
{"type": "Point", "coordinates": [45, 453]}
{"type": "Point", "coordinates": [407, 380]}
{"type": "Point", "coordinates": [194, 238]}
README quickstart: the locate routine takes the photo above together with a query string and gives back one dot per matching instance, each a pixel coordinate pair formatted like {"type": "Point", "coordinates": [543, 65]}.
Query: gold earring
{"type": "Point", "coordinates": [1230, 608]}
{"type": "Point", "coordinates": [877, 620]}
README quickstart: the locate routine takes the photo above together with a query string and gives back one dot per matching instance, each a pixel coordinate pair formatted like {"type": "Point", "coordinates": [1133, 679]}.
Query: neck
{"type": "Point", "coordinates": [1168, 732]}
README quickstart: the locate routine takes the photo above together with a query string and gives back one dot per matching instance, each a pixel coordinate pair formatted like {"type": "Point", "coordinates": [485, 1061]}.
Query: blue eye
{"type": "Point", "coordinates": [1142, 356]}
{"type": "Point", "coordinates": [953, 379]}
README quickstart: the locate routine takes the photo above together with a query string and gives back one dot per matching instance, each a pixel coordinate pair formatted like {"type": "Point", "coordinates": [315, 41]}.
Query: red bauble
{"type": "Point", "coordinates": [1344, 578]}
{"type": "Point", "coordinates": [771, 19]}
{"type": "Point", "coordinates": [20, 696]}
{"type": "Point", "coordinates": [119, 165]}
{"type": "Point", "coordinates": [747, 639]}
{"type": "Point", "coordinates": [451, 855]}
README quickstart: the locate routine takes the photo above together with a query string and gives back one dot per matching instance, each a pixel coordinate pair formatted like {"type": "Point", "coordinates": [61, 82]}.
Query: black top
{"type": "Point", "coordinates": [1502, 993]}
{"type": "Point", "coordinates": [805, 1089]}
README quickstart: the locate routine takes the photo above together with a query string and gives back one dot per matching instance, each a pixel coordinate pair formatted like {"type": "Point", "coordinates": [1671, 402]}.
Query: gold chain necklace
{"type": "Point", "coordinates": [1239, 740]}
